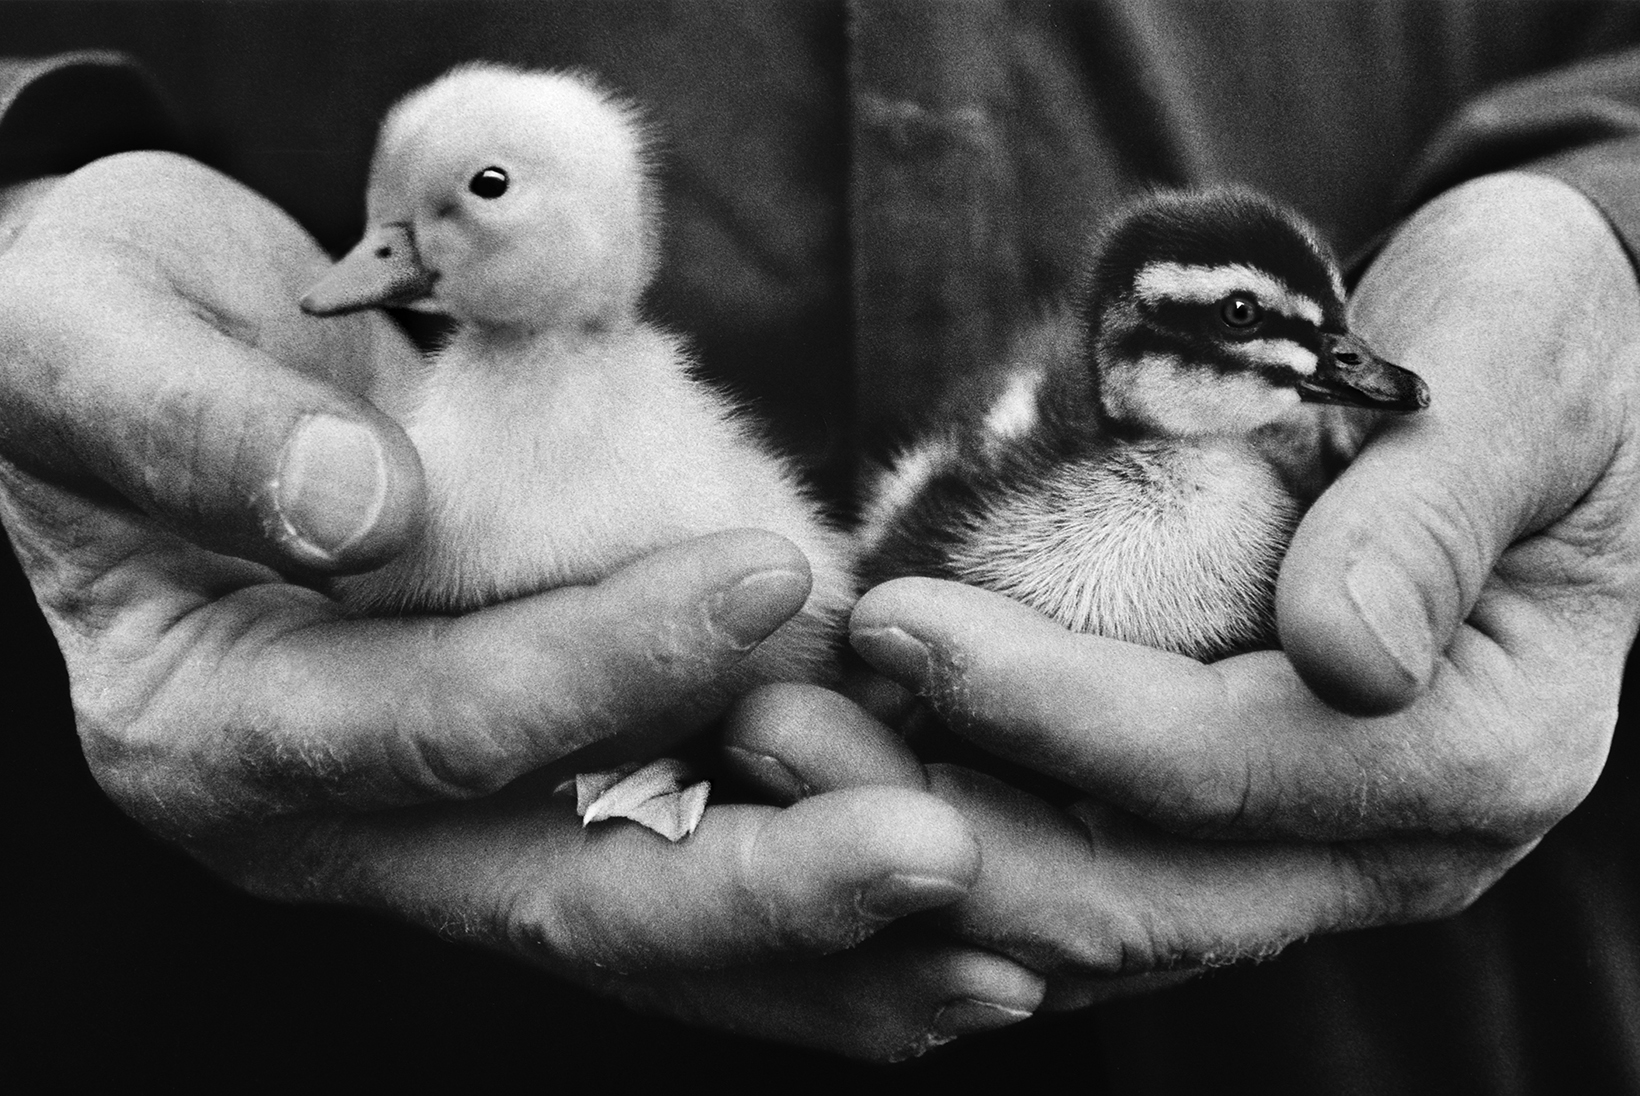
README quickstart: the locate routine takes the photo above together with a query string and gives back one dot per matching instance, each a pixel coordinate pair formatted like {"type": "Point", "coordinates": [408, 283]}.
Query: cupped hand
{"type": "Point", "coordinates": [184, 455]}
{"type": "Point", "coordinates": [1455, 612]}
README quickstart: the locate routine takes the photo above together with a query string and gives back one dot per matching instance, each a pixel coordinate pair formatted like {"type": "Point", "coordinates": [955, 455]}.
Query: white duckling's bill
{"type": "Point", "coordinates": [383, 270]}
{"type": "Point", "coordinates": [661, 796]}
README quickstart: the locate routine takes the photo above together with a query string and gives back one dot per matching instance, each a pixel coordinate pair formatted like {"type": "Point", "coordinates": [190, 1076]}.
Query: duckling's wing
{"type": "Point", "coordinates": [1026, 413]}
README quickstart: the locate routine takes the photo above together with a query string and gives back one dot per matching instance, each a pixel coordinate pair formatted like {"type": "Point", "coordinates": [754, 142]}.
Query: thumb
{"type": "Point", "coordinates": [169, 372]}
{"type": "Point", "coordinates": [1384, 568]}
{"type": "Point", "coordinates": [211, 438]}
{"type": "Point", "coordinates": [1507, 295]}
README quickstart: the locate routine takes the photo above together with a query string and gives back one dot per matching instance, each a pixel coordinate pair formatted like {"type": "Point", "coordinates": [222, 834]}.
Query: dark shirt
{"type": "Point", "coordinates": [859, 209]}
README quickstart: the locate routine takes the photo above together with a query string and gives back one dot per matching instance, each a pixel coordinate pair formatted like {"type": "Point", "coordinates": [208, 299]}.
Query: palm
{"type": "Point", "coordinates": [179, 439]}
{"type": "Point", "coordinates": [1462, 598]}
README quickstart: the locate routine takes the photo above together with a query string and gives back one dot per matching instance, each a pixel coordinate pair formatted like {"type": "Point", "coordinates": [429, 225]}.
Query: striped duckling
{"type": "Point", "coordinates": [1147, 459]}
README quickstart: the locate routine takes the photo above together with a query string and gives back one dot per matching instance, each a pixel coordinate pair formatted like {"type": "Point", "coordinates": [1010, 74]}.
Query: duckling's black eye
{"type": "Point", "coordinates": [489, 183]}
{"type": "Point", "coordinates": [1240, 312]}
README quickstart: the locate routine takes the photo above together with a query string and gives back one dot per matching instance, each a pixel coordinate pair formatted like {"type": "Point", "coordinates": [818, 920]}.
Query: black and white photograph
{"type": "Point", "coordinates": [912, 546]}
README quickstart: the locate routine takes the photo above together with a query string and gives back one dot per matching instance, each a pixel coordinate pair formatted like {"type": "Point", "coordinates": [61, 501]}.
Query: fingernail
{"type": "Point", "coordinates": [332, 485]}
{"type": "Point", "coordinates": [1393, 611]}
{"type": "Point", "coordinates": [897, 653]}
{"type": "Point", "coordinates": [899, 894]}
{"type": "Point", "coordinates": [967, 1016]}
{"type": "Point", "coordinates": [756, 605]}
{"type": "Point", "coordinates": [771, 774]}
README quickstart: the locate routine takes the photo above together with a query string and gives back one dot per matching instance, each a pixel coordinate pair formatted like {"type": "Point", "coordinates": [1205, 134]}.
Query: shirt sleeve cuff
{"type": "Point", "coordinates": [61, 112]}
{"type": "Point", "coordinates": [1580, 125]}
{"type": "Point", "coordinates": [1608, 174]}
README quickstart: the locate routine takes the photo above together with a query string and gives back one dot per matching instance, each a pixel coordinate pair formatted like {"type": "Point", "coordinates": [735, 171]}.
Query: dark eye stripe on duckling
{"type": "Point", "coordinates": [1278, 344]}
{"type": "Point", "coordinates": [1205, 322]}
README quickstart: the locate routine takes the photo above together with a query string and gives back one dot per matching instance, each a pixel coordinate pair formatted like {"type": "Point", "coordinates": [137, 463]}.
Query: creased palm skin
{"type": "Point", "coordinates": [184, 456]}
{"type": "Point", "coordinates": [1454, 613]}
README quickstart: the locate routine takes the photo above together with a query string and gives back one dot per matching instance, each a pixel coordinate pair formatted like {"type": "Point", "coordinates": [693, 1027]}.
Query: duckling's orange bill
{"type": "Point", "coordinates": [1350, 373]}
{"type": "Point", "coordinates": [383, 270]}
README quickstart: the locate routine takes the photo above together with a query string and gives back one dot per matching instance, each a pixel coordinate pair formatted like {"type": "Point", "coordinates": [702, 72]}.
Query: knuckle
{"type": "Point", "coordinates": [1137, 948]}
{"type": "Point", "coordinates": [1445, 543]}
{"type": "Point", "coordinates": [1099, 934]}
{"type": "Point", "coordinates": [469, 765]}
{"type": "Point", "coordinates": [1210, 802]}
{"type": "Point", "coordinates": [566, 927]}
{"type": "Point", "coordinates": [516, 916]}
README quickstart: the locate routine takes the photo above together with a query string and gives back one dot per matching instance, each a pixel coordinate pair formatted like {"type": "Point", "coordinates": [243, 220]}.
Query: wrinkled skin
{"type": "Point", "coordinates": [1468, 591]}
{"type": "Point", "coordinates": [183, 453]}
{"type": "Point", "coordinates": [1455, 613]}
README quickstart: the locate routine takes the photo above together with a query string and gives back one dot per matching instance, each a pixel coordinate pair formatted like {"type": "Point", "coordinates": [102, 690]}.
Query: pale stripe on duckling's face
{"type": "Point", "coordinates": [1276, 354]}
{"type": "Point", "coordinates": [1184, 400]}
{"type": "Point", "coordinates": [1190, 284]}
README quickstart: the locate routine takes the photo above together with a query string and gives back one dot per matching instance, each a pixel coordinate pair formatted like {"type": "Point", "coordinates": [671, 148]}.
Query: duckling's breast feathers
{"type": "Point", "coordinates": [570, 459]}
{"type": "Point", "coordinates": [1173, 546]}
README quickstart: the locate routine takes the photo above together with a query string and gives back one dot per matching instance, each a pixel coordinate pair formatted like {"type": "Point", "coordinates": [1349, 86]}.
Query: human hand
{"type": "Point", "coordinates": [1455, 613]}
{"type": "Point", "coordinates": [182, 449]}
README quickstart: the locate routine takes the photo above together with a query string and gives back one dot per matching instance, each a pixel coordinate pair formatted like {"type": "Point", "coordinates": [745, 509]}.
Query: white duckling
{"type": "Point", "coordinates": [1143, 469]}
{"type": "Point", "coordinates": [560, 434]}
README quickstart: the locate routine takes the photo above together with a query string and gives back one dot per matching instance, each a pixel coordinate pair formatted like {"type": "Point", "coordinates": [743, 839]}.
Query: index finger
{"type": "Point", "coordinates": [1510, 737]}
{"type": "Point", "coordinates": [201, 710]}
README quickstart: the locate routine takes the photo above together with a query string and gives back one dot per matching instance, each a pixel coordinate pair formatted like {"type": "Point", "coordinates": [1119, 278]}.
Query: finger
{"type": "Point", "coordinates": [520, 872]}
{"type": "Point", "coordinates": [1392, 558]}
{"type": "Point", "coordinates": [886, 700]}
{"type": "Point", "coordinates": [1072, 992]}
{"type": "Point", "coordinates": [164, 369]}
{"type": "Point", "coordinates": [791, 741]}
{"type": "Point", "coordinates": [883, 1001]}
{"type": "Point", "coordinates": [1509, 740]}
{"type": "Point", "coordinates": [268, 700]}
{"type": "Point", "coordinates": [1108, 901]}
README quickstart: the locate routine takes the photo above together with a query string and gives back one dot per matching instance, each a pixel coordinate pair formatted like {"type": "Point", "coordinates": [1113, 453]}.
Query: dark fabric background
{"type": "Point", "coordinates": [861, 203]}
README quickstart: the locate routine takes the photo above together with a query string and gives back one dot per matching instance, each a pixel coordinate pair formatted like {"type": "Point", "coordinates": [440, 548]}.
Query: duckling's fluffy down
{"type": "Point", "coordinates": [544, 478]}
{"type": "Point", "coordinates": [1175, 549]}
{"type": "Point", "coordinates": [561, 436]}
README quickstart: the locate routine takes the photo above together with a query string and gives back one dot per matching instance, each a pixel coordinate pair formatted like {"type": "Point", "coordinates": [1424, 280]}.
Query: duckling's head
{"type": "Point", "coordinates": [1220, 312]}
{"type": "Point", "coordinates": [504, 198]}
